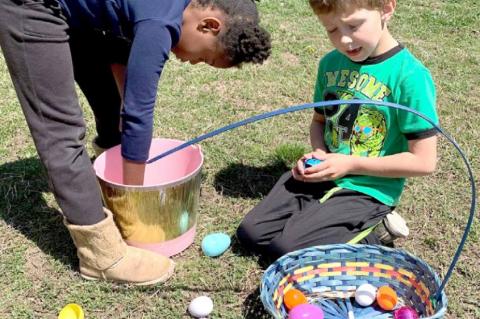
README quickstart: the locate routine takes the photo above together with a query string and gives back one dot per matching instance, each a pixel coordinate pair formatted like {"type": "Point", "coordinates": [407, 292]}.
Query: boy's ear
{"type": "Point", "coordinates": [388, 10]}
{"type": "Point", "coordinates": [210, 24]}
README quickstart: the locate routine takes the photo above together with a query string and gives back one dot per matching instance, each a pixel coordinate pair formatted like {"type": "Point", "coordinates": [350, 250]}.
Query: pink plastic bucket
{"type": "Point", "coordinates": [160, 215]}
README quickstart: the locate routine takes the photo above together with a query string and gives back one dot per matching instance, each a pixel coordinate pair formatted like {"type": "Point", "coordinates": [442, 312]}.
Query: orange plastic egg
{"type": "Point", "coordinates": [387, 298]}
{"type": "Point", "coordinates": [293, 298]}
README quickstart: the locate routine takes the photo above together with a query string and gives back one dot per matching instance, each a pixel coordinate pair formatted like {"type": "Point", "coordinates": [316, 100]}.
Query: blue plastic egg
{"type": "Point", "coordinates": [311, 162]}
{"type": "Point", "coordinates": [306, 311]}
{"type": "Point", "coordinates": [215, 244]}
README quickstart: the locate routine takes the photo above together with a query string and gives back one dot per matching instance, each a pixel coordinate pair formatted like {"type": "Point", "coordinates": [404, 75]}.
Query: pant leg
{"type": "Point", "coordinates": [94, 76]}
{"type": "Point", "coordinates": [267, 220]}
{"type": "Point", "coordinates": [34, 42]}
{"type": "Point", "coordinates": [338, 220]}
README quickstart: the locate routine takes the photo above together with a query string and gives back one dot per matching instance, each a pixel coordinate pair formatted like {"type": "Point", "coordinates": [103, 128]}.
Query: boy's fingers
{"type": "Point", "coordinates": [318, 176]}
{"type": "Point", "coordinates": [295, 174]}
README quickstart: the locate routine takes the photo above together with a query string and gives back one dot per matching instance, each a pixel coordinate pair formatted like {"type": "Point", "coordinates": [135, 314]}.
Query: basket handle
{"type": "Point", "coordinates": [325, 104]}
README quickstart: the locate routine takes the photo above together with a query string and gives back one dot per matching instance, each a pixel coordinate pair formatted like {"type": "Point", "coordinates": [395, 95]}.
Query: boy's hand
{"type": "Point", "coordinates": [334, 166]}
{"type": "Point", "coordinates": [298, 171]}
{"type": "Point", "coordinates": [133, 172]}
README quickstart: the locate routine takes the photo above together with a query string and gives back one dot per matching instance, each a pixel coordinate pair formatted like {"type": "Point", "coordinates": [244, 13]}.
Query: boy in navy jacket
{"type": "Point", "coordinates": [115, 50]}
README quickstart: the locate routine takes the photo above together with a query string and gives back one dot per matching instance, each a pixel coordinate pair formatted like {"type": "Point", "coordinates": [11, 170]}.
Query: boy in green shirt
{"type": "Point", "coordinates": [366, 151]}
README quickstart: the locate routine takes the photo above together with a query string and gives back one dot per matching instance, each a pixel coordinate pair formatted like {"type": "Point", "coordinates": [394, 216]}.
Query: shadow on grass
{"type": "Point", "coordinates": [239, 250]}
{"type": "Point", "coordinates": [238, 180]}
{"type": "Point", "coordinates": [22, 206]}
{"type": "Point", "coordinates": [253, 307]}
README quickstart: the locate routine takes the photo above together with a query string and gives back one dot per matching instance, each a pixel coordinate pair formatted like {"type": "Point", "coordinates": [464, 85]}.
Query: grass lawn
{"type": "Point", "coordinates": [38, 265]}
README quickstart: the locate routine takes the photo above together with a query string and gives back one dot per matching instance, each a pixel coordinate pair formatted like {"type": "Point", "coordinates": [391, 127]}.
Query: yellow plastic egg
{"type": "Point", "coordinates": [71, 311]}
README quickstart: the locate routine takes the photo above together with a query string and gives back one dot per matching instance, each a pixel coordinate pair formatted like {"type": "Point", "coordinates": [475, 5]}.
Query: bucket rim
{"type": "Point", "coordinates": [171, 183]}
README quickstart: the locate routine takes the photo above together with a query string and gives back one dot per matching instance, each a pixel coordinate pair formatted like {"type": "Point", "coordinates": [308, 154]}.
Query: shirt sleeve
{"type": "Point", "coordinates": [418, 93]}
{"type": "Point", "coordinates": [151, 46]}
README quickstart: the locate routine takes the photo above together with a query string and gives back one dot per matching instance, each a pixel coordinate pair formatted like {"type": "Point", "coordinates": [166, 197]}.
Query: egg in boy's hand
{"type": "Point", "coordinates": [309, 162]}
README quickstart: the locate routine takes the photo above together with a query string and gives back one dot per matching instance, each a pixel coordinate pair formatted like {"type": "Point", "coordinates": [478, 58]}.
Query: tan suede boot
{"type": "Point", "coordinates": [104, 255]}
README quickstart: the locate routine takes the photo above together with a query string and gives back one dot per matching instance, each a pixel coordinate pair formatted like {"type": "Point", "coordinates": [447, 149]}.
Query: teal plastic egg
{"type": "Point", "coordinates": [184, 220]}
{"type": "Point", "coordinates": [215, 244]}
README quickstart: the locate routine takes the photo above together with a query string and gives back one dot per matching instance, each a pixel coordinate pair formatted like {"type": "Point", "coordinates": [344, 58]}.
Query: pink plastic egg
{"type": "Point", "coordinates": [306, 311]}
{"type": "Point", "coordinates": [405, 313]}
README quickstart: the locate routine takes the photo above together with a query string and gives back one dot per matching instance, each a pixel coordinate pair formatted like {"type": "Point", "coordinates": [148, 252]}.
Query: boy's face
{"type": "Point", "coordinates": [199, 38]}
{"type": "Point", "coordinates": [359, 33]}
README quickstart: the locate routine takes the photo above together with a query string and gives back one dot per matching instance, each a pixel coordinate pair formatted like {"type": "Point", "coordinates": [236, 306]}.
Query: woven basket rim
{"type": "Point", "coordinates": [265, 291]}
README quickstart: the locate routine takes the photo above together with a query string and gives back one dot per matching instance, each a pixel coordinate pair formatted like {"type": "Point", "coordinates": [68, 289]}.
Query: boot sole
{"type": "Point", "coordinates": [145, 283]}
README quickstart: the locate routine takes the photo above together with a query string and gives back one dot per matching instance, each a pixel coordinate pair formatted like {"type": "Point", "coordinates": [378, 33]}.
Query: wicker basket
{"type": "Point", "coordinates": [333, 272]}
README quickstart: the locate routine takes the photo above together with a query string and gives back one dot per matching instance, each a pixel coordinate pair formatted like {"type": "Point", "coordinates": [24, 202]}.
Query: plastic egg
{"type": "Point", "coordinates": [71, 311]}
{"type": "Point", "coordinates": [184, 221]}
{"type": "Point", "coordinates": [386, 298]}
{"type": "Point", "coordinates": [306, 311]}
{"type": "Point", "coordinates": [293, 298]}
{"type": "Point", "coordinates": [200, 307]}
{"type": "Point", "coordinates": [311, 162]}
{"type": "Point", "coordinates": [365, 295]}
{"type": "Point", "coordinates": [405, 313]}
{"type": "Point", "coordinates": [215, 244]}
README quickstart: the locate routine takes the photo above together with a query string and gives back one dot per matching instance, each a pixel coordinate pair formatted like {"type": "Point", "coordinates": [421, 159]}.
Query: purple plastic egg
{"type": "Point", "coordinates": [405, 313]}
{"type": "Point", "coordinates": [306, 311]}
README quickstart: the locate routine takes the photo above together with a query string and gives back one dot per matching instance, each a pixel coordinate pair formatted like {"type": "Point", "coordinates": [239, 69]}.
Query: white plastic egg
{"type": "Point", "coordinates": [365, 295]}
{"type": "Point", "coordinates": [200, 307]}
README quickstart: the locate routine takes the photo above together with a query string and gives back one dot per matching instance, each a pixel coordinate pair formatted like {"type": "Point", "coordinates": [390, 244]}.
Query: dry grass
{"type": "Point", "coordinates": [37, 259]}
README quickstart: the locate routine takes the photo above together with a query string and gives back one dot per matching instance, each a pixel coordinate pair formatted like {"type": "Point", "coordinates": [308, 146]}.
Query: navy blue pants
{"type": "Point", "coordinates": [292, 217]}
{"type": "Point", "coordinates": [45, 59]}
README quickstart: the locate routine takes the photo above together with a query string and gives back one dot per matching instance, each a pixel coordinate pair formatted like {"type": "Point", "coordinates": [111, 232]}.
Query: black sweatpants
{"type": "Point", "coordinates": [44, 59]}
{"type": "Point", "coordinates": [292, 217]}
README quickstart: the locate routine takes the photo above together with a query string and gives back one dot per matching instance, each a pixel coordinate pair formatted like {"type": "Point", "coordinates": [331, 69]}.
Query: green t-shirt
{"type": "Point", "coordinates": [370, 130]}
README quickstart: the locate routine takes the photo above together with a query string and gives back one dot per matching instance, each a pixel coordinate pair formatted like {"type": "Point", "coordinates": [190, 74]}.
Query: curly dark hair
{"type": "Point", "coordinates": [244, 39]}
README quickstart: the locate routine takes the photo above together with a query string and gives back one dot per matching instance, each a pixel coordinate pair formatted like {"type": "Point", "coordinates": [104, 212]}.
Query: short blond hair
{"type": "Point", "coordinates": [327, 6]}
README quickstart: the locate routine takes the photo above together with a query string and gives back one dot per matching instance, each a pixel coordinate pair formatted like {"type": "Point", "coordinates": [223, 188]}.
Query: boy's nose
{"type": "Point", "coordinates": [345, 39]}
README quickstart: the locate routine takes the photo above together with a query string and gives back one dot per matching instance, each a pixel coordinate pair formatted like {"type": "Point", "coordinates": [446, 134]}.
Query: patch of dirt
{"type": "Point", "coordinates": [37, 266]}
{"type": "Point", "coordinates": [292, 59]}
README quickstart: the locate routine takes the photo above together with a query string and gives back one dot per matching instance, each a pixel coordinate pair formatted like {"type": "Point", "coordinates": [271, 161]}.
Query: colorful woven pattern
{"type": "Point", "coordinates": [335, 271]}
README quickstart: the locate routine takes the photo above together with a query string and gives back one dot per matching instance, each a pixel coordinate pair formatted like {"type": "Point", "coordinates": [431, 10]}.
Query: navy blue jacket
{"type": "Point", "coordinates": [153, 27]}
